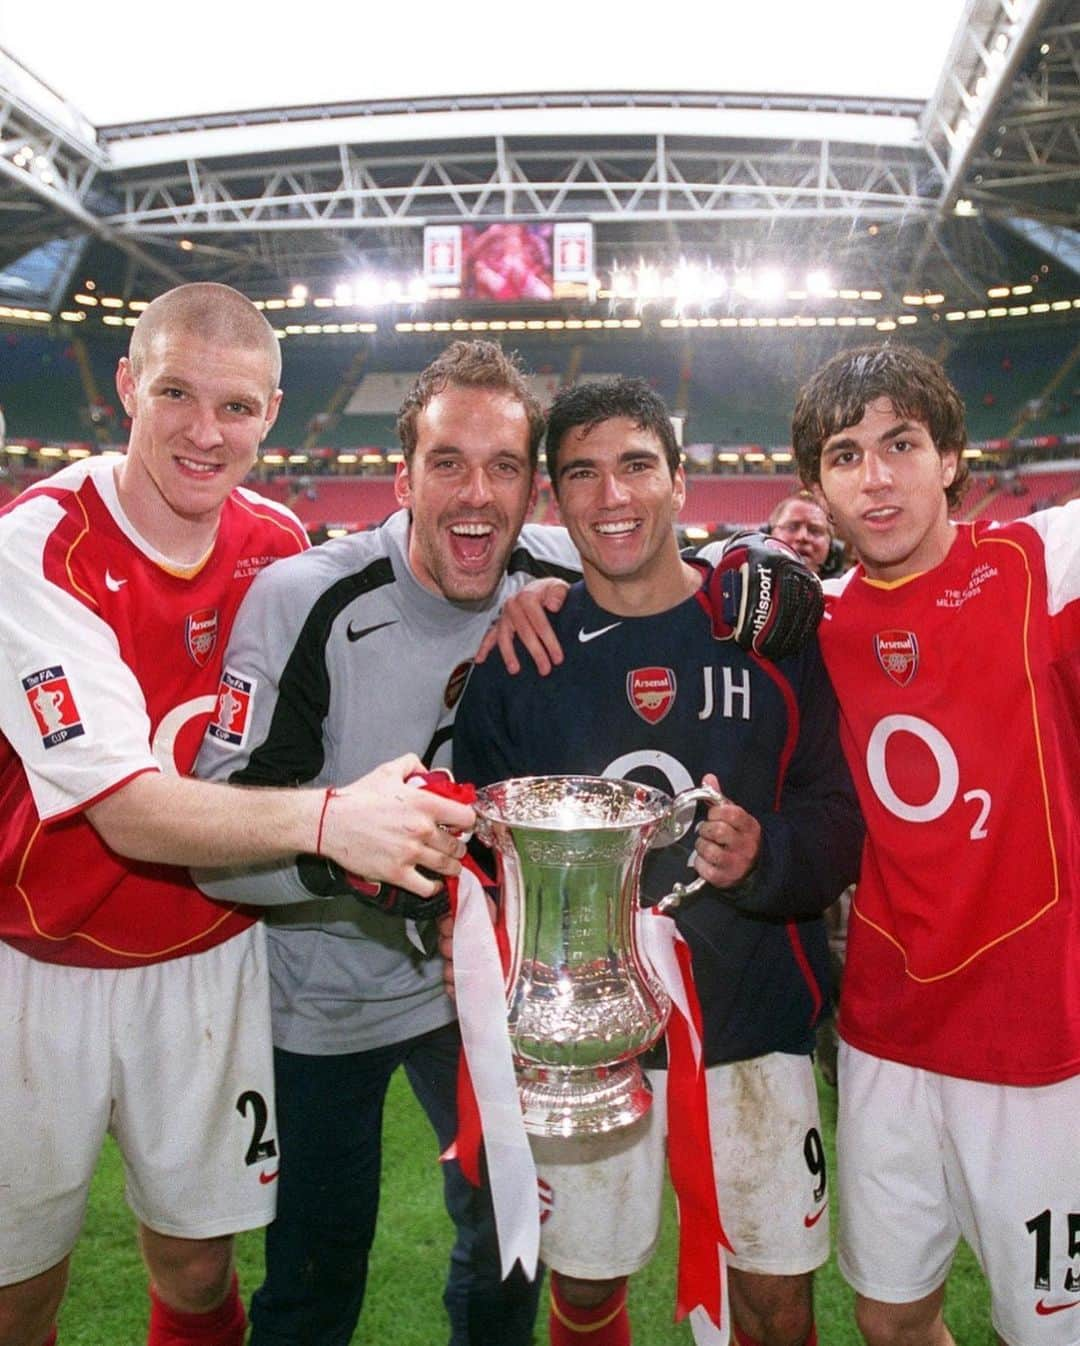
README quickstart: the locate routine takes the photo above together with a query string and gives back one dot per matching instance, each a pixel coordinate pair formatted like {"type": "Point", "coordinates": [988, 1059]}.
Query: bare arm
{"type": "Point", "coordinates": [524, 616]}
{"type": "Point", "coordinates": [377, 826]}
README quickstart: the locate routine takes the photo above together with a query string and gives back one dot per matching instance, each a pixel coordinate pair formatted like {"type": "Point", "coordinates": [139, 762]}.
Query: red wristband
{"type": "Point", "coordinates": [330, 793]}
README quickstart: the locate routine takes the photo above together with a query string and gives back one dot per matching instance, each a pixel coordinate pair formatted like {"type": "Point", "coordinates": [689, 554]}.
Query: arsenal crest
{"type": "Point", "coordinates": [456, 684]}
{"type": "Point", "coordinates": [898, 654]}
{"type": "Point", "coordinates": [200, 632]}
{"type": "Point", "coordinates": [651, 692]}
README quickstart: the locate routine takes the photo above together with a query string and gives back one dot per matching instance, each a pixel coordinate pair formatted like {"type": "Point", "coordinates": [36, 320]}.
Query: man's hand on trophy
{"type": "Point", "coordinates": [771, 601]}
{"type": "Point", "coordinates": [524, 616]}
{"type": "Point", "coordinates": [728, 843]}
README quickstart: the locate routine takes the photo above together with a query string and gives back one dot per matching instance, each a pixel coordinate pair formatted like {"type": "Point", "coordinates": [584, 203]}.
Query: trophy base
{"type": "Point", "coordinates": [565, 1101]}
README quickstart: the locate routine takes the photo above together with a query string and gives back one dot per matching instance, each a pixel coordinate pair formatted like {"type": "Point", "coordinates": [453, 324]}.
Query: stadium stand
{"type": "Point", "coordinates": [1006, 379]}
{"type": "Point", "coordinates": [41, 389]}
{"type": "Point", "coordinates": [326, 503]}
{"type": "Point", "coordinates": [734, 500]}
{"type": "Point", "coordinates": [736, 388]}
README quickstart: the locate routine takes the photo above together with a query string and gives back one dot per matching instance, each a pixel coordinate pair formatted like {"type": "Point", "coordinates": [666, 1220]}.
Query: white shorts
{"type": "Point", "coordinates": [174, 1059]}
{"type": "Point", "coordinates": [601, 1195]}
{"type": "Point", "coordinates": [925, 1158]}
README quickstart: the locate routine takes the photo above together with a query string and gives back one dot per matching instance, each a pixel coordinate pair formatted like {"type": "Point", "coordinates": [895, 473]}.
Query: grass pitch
{"type": "Point", "coordinates": [107, 1303]}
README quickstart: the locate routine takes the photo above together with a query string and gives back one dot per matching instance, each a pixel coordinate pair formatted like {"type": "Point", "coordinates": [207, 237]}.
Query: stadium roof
{"type": "Point", "coordinates": [117, 67]}
{"type": "Point", "coordinates": [935, 146]}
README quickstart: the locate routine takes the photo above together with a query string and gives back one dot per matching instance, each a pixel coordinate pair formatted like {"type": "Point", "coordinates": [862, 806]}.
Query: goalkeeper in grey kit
{"type": "Point", "coordinates": [363, 646]}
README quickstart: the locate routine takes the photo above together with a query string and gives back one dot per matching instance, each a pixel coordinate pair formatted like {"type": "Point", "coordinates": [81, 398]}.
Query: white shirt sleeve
{"type": "Point", "coordinates": [70, 706]}
{"type": "Point", "coordinates": [1060, 531]}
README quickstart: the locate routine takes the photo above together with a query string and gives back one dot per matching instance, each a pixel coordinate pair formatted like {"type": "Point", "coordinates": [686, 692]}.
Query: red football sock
{"type": "Point", "coordinates": [608, 1324]}
{"type": "Point", "coordinates": [223, 1326]}
{"type": "Point", "coordinates": [50, 1340]}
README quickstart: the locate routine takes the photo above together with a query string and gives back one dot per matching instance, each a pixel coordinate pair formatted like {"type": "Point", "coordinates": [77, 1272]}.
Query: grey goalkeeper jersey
{"type": "Point", "coordinates": [340, 660]}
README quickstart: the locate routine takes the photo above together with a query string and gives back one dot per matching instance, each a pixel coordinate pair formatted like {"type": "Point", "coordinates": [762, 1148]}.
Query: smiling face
{"type": "Point", "coordinates": [199, 411]}
{"type": "Point", "coordinates": [469, 485]}
{"type": "Point", "coordinates": [618, 498]}
{"type": "Point", "coordinates": [883, 481]}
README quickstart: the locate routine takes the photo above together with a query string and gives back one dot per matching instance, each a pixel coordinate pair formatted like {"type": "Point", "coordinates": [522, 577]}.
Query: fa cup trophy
{"type": "Point", "coordinates": [582, 1002]}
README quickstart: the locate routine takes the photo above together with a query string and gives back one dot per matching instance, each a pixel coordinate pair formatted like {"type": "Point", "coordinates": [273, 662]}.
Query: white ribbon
{"type": "Point", "coordinates": [481, 1003]}
{"type": "Point", "coordinates": [704, 1330]}
{"type": "Point", "coordinates": [656, 936]}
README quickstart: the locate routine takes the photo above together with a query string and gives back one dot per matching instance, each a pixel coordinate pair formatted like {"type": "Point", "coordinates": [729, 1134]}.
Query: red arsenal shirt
{"type": "Point", "coordinates": [959, 694]}
{"type": "Point", "coordinates": [110, 663]}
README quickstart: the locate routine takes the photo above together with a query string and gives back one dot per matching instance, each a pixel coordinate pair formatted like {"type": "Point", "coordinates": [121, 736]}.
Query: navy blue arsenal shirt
{"type": "Point", "coordinates": [663, 700]}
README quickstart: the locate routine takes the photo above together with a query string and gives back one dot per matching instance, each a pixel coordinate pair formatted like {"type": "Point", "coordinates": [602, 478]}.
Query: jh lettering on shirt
{"type": "Point", "coordinates": [735, 690]}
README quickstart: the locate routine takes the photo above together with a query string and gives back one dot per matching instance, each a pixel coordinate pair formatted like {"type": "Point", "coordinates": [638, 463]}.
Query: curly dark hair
{"type": "Point", "coordinates": [588, 404]}
{"type": "Point", "coordinates": [470, 364]}
{"type": "Point", "coordinates": [839, 393]}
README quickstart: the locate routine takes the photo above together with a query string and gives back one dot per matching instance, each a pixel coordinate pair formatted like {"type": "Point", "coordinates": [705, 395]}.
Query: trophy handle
{"type": "Point", "coordinates": [673, 827]}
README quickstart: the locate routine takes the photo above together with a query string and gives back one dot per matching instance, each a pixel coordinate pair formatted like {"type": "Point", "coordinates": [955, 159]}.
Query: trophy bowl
{"type": "Point", "coordinates": [582, 1003]}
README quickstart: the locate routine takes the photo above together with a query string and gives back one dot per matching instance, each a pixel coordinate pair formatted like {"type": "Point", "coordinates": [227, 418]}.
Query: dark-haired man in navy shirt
{"type": "Point", "coordinates": [653, 687]}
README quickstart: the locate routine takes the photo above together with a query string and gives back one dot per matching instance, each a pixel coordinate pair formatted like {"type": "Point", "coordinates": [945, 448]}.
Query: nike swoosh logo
{"type": "Point", "coordinates": [1045, 1310]}
{"type": "Point", "coordinates": [267, 1178]}
{"type": "Point", "coordinates": [354, 634]}
{"type": "Point", "coordinates": [113, 585]}
{"type": "Point", "coordinates": [586, 636]}
{"type": "Point", "coordinates": [810, 1220]}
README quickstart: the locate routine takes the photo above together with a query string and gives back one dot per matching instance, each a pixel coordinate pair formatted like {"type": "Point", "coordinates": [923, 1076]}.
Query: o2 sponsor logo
{"type": "Point", "coordinates": [947, 770]}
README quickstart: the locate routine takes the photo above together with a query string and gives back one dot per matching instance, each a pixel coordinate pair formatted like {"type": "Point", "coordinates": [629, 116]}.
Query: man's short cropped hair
{"type": "Point", "coordinates": [803, 497]}
{"type": "Point", "coordinates": [211, 312]}
{"type": "Point", "coordinates": [836, 397]}
{"type": "Point", "coordinates": [470, 364]}
{"type": "Point", "coordinates": [586, 405]}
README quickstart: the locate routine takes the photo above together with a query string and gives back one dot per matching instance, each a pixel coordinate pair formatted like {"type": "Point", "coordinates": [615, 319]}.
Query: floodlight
{"type": "Point", "coordinates": [819, 283]}
{"type": "Point", "coordinates": [366, 291]}
{"type": "Point", "coordinates": [715, 285]}
{"type": "Point", "coordinates": [648, 282]}
{"type": "Point", "coordinates": [690, 286]}
{"type": "Point", "coordinates": [299, 293]}
{"type": "Point", "coordinates": [771, 285]}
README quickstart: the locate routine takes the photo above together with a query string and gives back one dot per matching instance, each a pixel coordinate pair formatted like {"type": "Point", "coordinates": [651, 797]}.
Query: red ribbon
{"type": "Point", "coordinates": [690, 1162]}
{"type": "Point", "coordinates": [465, 1147]}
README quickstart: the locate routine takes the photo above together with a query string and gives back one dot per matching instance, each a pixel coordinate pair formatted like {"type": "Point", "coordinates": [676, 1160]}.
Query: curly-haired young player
{"type": "Point", "coordinates": [955, 652]}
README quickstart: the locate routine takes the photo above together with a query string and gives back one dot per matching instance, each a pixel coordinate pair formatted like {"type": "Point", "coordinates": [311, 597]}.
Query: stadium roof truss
{"type": "Point", "coordinates": [261, 198]}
